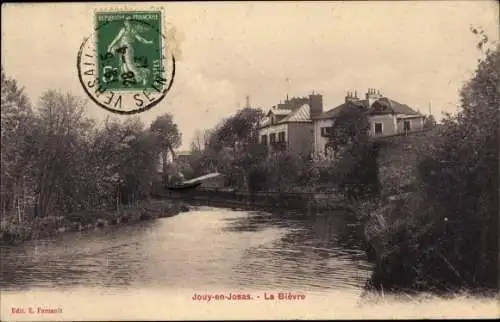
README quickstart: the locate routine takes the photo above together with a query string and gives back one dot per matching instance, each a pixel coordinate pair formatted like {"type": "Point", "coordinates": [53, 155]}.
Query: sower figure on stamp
{"type": "Point", "coordinates": [122, 44]}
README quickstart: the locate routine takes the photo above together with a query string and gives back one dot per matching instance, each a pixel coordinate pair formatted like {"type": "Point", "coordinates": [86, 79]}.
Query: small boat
{"type": "Point", "coordinates": [183, 186]}
{"type": "Point", "coordinates": [191, 183]}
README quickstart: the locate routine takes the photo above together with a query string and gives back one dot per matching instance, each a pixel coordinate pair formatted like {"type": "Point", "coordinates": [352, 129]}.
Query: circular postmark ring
{"type": "Point", "coordinates": [128, 96]}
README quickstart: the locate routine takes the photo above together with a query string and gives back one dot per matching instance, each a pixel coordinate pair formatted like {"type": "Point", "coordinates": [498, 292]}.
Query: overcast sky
{"type": "Point", "coordinates": [413, 52]}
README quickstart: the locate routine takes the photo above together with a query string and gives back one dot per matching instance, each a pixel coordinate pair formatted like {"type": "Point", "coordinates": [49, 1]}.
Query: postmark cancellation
{"type": "Point", "coordinates": [125, 66]}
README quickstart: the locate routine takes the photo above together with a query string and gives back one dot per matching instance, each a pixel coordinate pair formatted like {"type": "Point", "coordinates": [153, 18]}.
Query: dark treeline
{"type": "Point", "coordinates": [56, 160]}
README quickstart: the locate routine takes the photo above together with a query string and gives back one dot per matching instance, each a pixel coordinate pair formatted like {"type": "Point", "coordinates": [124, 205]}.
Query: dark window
{"type": "Point", "coordinates": [378, 128]}
{"type": "Point", "coordinates": [326, 131]}
{"type": "Point", "coordinates": [406, 126]}
{"type": "Point", "coordinates": [263, 139]}
{"type": "Point", "coordinates": [272, 138]}
{"type": "Point", "coordinates": [281, 137]}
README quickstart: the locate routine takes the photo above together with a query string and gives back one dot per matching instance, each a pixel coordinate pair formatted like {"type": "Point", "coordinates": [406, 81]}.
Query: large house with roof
{"type": "Point", "coordinates": [387, 117]}
{"type": "Point", "coordinates": [289, 126]}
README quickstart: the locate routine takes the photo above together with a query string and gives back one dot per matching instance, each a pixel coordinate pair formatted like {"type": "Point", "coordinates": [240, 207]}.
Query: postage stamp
{"type": "Point", "coordinates": [125, 65]}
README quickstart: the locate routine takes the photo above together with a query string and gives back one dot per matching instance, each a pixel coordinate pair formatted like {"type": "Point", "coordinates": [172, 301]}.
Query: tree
{"type": "Point", "coordinates": [233, 146]}
{"type": "Point", "coordinates": [444, 237]}
{"type": "Point", "coordinates": [126, 155]}
{"type": "Point", "coordinates": [16, 158]}
{"type": "Point", "coordinates": [459, 177]}
{"type": "Point", "coordinates": [354, 168]}
{"type": "Point", "coordinates": [200, 141]}
{"type": "Point", "coordinates": [167, 135]}
{"type": "Point", "coordinates": [61, 123]}
{"type": "Point", "coordinates": [350, 127]}
{"type": "Point", "coordinates": [239, 130]}
{"type": "Point", "coordinates": [429, 122]}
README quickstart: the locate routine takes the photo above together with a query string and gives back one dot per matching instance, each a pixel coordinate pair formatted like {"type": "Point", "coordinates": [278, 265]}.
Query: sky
{"type": "Point", "coordinates": [416, 52]}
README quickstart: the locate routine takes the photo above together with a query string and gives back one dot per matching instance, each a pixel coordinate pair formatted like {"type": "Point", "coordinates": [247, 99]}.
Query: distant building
{"type": "Point", "coordinates": [183, 156]}
{"type": "Point", "coordinates": [289, 126]}
{"type": "Point", "coordinates": [171, 168]}
{"type": "Point", "coordinates": [386, 116]}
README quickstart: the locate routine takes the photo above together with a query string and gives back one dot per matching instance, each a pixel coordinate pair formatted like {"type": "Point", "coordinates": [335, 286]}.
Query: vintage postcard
{"type": "Point", "coordinates": [249, 160]}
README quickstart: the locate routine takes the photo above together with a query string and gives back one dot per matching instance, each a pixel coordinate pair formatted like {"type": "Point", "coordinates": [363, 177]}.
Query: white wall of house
{"type": "Point", "coordinates": [274, 129]}
{"type": "Point", "coordinates": [319, 140]}
{"type": "Point", "coordinates": [388, 122]}
{"type": "Point", "coordinates": [416, 124]}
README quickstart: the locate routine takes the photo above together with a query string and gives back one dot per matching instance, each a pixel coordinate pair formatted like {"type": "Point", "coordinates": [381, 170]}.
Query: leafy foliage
{"type": "Point", "coordinates": [167, 136]}
{"type": "Point", "coordinates": [231, 148]}
{"type": "Point", "coordinates": [429, 122]}
{"type": "Point", "coordinates": [459, 177]}
{"type": "Point", "coordinates": [350, 127]}
{"type": "Point", "coordinates": [445, 236]}
{"type": "Point", "coordinates": [354, 167]}
{"type": "Point", "coordinates": [58, 160]}
{"type": "Point", "coordinates": [17, 136]}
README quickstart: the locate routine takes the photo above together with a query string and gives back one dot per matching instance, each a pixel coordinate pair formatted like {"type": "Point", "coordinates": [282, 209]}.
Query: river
{"type": "Point", "coordinates": [152, 270]}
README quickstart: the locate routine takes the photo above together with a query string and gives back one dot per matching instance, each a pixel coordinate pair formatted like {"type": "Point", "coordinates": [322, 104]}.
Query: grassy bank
{"type": "Point", "coordinates": [13, 232]}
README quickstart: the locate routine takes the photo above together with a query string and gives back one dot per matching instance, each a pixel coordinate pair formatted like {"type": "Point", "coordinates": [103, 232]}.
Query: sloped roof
{"type": "Point", "coordinates": [279, 112]}
{"type": "Point", "coordinates": [334, 112]}
{"type": "Point", "coordinates": [402, 116]}
{"type": "Point", "coordinates": [301, 114]}
{"type": "Point", "coordinates": [393, 107]}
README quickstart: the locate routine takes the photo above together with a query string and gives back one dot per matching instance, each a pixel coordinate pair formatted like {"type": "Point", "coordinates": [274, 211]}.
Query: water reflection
{"type": "Point", "coordinates": [317, 254]}
{"type": "Point", "coordinates": [203, 248]}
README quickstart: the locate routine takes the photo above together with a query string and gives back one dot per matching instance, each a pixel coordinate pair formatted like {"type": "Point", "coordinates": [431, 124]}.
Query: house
{"type": "Point", "coordinates": [289, 126]}
{"type": "Point", "coordinates": [386, 116]}
{"type": "Point", "coordinates": [170, 164]}
{"type": "Point", "coordinates": [183, 156]}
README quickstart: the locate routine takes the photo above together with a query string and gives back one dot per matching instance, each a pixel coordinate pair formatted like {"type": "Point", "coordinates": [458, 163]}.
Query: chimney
{"type": "Point", "coordinates": [315, 104]}
{"type": "Point", "coordinates": [350, 97]}
{"type": "Point", "coordinates": [372, 95]}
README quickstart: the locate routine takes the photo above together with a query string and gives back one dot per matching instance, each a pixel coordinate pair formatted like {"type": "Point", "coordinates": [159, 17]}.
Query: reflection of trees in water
{"type": "Point", "coordinates": [317, 252]}
{"type": "Point", "coordinates": [104, 259]}
{"type": "Point", "coordinates": [324, 230]}
{"type": "Point", "coordinates": [258, 221]}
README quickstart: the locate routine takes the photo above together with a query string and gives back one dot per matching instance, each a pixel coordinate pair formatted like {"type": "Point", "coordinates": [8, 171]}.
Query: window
{"type": "Point", "coordinates": [326, 131]}
{"type": "Point", "coordinates": [378, 128]}
{"type": "Point", "coordinates": [272, 138]}
{"type": "Point", "coordinates": [263, 139]}
{"type": "Point", "coordinates": [281, 137]}
{"type": "Point", "coordinates": [406, 126]}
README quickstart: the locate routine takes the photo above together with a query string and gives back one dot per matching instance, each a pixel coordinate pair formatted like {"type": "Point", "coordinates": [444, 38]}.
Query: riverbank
{"type": "Point", "coordinates": [412, 252]}
{"type": "Point", "coordinates": [310, 203]}
{"type": "Point", "coordinates": [12, 232]}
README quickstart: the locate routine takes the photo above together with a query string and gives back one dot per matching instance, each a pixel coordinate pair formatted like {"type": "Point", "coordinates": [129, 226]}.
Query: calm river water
{"type": "Point", "coordinates": [152, 270]}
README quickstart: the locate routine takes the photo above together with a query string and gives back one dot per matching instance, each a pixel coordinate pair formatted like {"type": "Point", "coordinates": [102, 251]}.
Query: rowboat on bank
{"type": "Point", "coordinates": [191, 183]}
